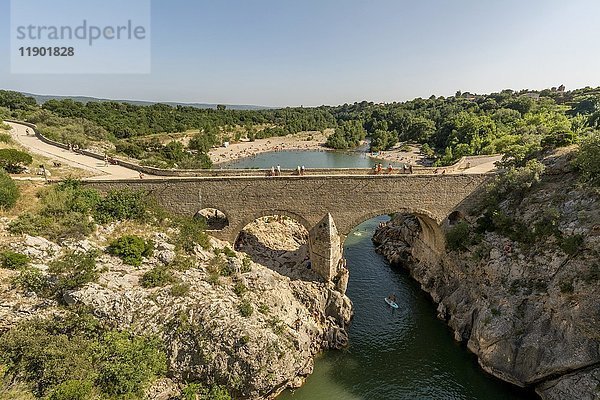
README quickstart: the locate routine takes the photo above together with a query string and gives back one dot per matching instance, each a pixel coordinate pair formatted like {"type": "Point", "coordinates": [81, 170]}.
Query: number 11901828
{"type": "Point", "coordinates": [46, 51]}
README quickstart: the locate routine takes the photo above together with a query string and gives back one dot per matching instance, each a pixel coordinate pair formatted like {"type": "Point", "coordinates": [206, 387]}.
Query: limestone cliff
{"type": "Point", "coordinates": [527, 304]}
{"type": "Point", "coordinates": [253, 329]}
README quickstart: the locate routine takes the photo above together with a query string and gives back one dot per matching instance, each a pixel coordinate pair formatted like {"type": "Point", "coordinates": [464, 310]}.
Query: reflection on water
{"type": "Point", "coordinates": [310, 159]}
{"type": "Point", "coordinates": [395, 354]}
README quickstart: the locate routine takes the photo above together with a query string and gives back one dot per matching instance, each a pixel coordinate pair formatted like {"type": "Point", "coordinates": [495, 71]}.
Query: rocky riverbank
{"type": "Point", "coordinates": [526, 303]}
{"type": "Point", "coordinates": [251, 329]}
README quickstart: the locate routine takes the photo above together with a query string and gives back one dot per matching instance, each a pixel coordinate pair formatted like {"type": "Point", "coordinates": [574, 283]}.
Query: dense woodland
{"type": "Point", "coordinates": [519, 124]}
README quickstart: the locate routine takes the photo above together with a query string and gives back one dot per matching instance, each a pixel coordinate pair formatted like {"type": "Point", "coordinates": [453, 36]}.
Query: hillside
{"type": "Point", "coordinates": [41, 99]}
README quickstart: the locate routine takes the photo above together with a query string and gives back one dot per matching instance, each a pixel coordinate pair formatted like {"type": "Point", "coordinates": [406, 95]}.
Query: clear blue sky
{"type": "Point", "coordinates": [312, 52]}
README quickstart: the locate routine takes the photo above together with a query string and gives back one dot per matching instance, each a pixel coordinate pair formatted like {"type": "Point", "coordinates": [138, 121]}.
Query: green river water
{"type": "Point", "coordinates": [393, 354]}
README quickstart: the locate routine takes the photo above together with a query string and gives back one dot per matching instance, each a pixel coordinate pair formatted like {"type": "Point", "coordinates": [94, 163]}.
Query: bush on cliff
{"type": "Point", "coordinates": [120, 205]}
{"type": "Point", "coordinates": [514, 183]}
{"type": "Point", "coordinates": [11, 260]}
{"type": "Point", "coordinates": [14, 161]}
{"type": "Point", "coordinates": [157, 277]}
{"type": "Point", "coordinates": [131, 249]}
{"type": "Point", "coordinates": [9, 192]}
{"type": "Point", "coordinates": [74, 357]}
{"type": "Point", "coordinates": [195, 391]}
{"type": "Point", "coordinates": [588, 159]}
{"type": "Point", "coordinates": [64, 213]}
{"type": "Point", "coordinates": [74, 270]}
{"type": "Point", "coordinates": [191, 233]}
{"type": "Point", "coordinates": [457, 237]}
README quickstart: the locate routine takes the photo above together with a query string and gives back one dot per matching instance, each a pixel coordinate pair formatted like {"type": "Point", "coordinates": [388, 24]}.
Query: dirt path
{"type": "Point", "coordinates": [33, 144]}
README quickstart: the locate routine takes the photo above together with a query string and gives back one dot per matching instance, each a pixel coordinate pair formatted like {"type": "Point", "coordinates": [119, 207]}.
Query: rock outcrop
{"type": "Point", "coordinates": [252, 329]}
{"type": "Point", "coordinates": [529, 311]}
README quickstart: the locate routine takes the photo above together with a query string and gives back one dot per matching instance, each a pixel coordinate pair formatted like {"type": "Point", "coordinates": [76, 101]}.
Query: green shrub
{"type": "Point", "coordinates": [14, 161]}
{"type": "Point", "coordinates": [11, 260]}
{"type": "Point", "coordinates": [193, 391]}
{"type": "Point", "coordinates": [32, 280]}
{"type": "Point", "coordinates": [120, 205]}
{"type": "Point", "coordinates": [588, 158]}
{"type": "Point", "coordinates": [263, 309]}
{"type": "Point", "coordinates": [70, 225]}
{"type": "Point", "coordinates": [228, 252]}
{"type": "Point", "coordinates": [74, 357]}
{"type": "Point", "coordinates": [566, 287]}
{"type": "Point", "coordinates": [277, 325]}
{"type": "Point", "coordinates": [64, 214]}
{"type": "Point", "coordinates": [72, 390]}
{"type": "Point", "coordinates": [182, 263]}
{"type": "Point", "coordinates": [69, 196]}
{"type": "Point", "coordinates": [571, 245]}
{"type": "Point", "coordinates": [246, 264]}
{"type": "Point", "coordinates": [457, 237]}
{"type": "Point", "coordinates": [128, 362]}
{"type": "Point", "coordinates": [9, 192]}
{"type": "Point", "coordinates": [31, 224]}
{"type": "Point", "coordinates": [191, 233]}
{"type": "Point", "coordinates": [196, 391]}
{"type": "Point", "coordinates": [180, 289]}
{"type": "Point", "coordinates": [39, 353]}
{"type": "Point", "coordinates": [74, 270]}
{"type": "Point", "coordinates": [239, 288]}
{"type": "Point", "coordinates": [5, 138]}
{"type": "Point", "coordinates": [131, 249]}
{"type": "Point", "coordinates": [217, 392]}
{"type": "Point", "coordinates": [514, 183]}
{"type": "Point", "coordinates": [245, 308]}
{"type": "Point", "coordinates": [157, 277]}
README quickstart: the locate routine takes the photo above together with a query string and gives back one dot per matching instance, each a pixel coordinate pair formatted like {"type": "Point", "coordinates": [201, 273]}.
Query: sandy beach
{"type": "Point", "coordinates": [309, 141]}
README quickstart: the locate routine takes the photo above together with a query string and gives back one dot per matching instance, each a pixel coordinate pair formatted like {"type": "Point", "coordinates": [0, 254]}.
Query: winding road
{"type": "Point", "coordinates": [97, 167]}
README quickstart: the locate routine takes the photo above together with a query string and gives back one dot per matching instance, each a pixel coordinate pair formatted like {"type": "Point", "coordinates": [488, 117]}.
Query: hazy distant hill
{"type": "Point", "coordinates": [41, 99]}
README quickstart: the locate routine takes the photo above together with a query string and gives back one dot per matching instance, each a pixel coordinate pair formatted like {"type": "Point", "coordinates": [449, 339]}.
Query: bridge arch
{"type": "Point", "coordinates": [282, 246]}
{"type": "Point", "coordinates": [215, 219]}
{"type": "Point", "coordinates": [252, 216]}
{"type": "Point", "coordinates": [432, 233]}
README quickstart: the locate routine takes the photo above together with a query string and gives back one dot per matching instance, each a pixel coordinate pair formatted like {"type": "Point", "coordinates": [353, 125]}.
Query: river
{"type": "Point", "coordinates": [393, 354]}
{"type": "Point", "coordinates": [310, 159]}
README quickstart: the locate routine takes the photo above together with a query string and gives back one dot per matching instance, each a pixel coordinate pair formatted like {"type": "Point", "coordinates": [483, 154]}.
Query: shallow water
{"type": "Point", "coordinates": [291, 159]}
{"type": "Point", "coordinates": [395, 354]}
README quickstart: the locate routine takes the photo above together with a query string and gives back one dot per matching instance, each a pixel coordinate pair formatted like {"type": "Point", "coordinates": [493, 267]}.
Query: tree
{"type": "Point", "coordinates": [347, 135]}
{"type": "Point", "coordinates": [588, 158]}
{"type": "Point", "coordinates": [16, 100]}
{"type": "Point", "coordinates": [522, 104]}
{"type": "Point", "coordinates": [421, 129]}
{"type": "Point", "coordinates": [383, 140]}
{"type": "Point", "coordinates": [14, 161]}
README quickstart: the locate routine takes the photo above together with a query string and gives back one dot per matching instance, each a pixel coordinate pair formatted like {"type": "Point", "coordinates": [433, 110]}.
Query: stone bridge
{"type": "Point", "coordinates": [329, 206]}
